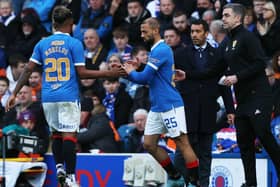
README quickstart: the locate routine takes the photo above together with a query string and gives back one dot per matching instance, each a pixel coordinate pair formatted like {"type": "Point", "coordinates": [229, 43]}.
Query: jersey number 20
{"type": "Point", "coordinates": [62, 68]}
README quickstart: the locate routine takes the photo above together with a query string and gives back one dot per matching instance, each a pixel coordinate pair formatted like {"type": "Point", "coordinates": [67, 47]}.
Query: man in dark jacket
{"type": "Point", "coordinates": [200, 97]}
{"type": "Point", "coordinates": [244, 56]}
{"type": "Point", "coordinates": [136, 15]}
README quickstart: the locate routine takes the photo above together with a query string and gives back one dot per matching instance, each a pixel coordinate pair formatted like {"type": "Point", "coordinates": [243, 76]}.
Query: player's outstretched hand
{"type": "Point", "coordinates": [118, 72]}
{"type": "Point", "coordinates": [11, 102]}
{"type": "Point", "coordinates": [179, 75]}
{"type": "Point", "coordinates": [129, 66]}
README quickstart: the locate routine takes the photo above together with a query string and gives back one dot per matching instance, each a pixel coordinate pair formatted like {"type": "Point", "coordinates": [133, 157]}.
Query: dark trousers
{"type": "Point", "coordinates": [248, 128]}
{"type": "Point", "coordinates": [202, 146]}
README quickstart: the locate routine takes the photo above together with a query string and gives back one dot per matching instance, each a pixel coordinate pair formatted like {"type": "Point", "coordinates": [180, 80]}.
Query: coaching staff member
{"type": "Point", "coordinates": [245, 58]}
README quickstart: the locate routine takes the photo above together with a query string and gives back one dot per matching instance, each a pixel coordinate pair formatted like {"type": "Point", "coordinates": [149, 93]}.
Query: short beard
{"type": "Point", "coordinates": [150, 42]}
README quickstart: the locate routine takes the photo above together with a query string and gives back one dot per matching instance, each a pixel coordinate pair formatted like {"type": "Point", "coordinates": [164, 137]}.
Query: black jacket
{"type": "Point", "coordinates": [200, 93]}
{"type": "Point", "coordinates": [245, 58]}
{"type": "Point", "coordinates": [99, 135]}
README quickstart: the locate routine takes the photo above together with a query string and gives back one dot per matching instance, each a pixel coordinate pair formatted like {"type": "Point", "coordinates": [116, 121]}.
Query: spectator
{"type": "Point", "coordinates": [201, 7]}
{"type": "Point", "coordinates": [209, 16]}
{"type": "Point", "coordinates": [26, 38]}
{"type": "Point", "coordinates": [187, 6]}
{"type": "Point", "coordinates": [276, 84]}
{"type": "Point", "coordinates": [269, 29]}
{"type": "Point", "coordinates": [250, 19]}
{"type": "Point", "coordinates": [121, 46]}
{"type": "Point", "coordinates": [25, 103]}
{"type": "Point", "coordinates": [114, 100]}
{"type": "Point", "coordinates": [258, 9]}
{"type": "Point", "coordinates": [117, 9]}
{"type": "Point", "coordinates": [98, 18]}
{"type": "Point", "coordinates": [35, 82]}
{"type": "Point", "coordinates": [140, 55]}
{"type": "Point", "coordinates": [74, 6]}
{"type": "Point", "coordinates": [6, 12]}
{"type": "Point", "coordinates": [4, 95]}
{"type": "Point", "coordinates": [98, 136]}
{"type": "Point", "coordinates": [27, 126]}
{"type": "Point", "coordinates": [132, 135]}
{"type": "Point", "coordinates": [218, 7]}
{"type": "Point", "coordinates": [218, 32]}
{"type": "Point", "coordinates": [14, 70]}
{"type": "Point", "coordinates": [88, 89]}
{"type": "Point", "coordinates": [43, 9]}
{"type": "Point", "coordinates": [167, 8]}
{"type": "Point", "coordinates": [9, 21]}
{"type": "Point", "coordinates": [136, 15]}
{"type": "Point", "coordinates": [181, 23]}
{"type": "Point", "coordinates": [95, 52]}
{"type": "Point", "coordinates": [172, 38]}
{"type": "Point", "coordinates": [154, 7]}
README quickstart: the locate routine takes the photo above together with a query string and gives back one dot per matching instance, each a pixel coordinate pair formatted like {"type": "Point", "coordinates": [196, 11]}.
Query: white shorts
{"type": "Point", "coordinates": [63, 116]}
{"type": "Point", "coordinates": [172, 122]}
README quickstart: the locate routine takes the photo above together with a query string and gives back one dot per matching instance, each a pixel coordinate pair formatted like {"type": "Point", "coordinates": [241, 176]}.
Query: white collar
{"type": "Point", "coordinates": [156, 44]}
{"type": "Point", "coordinates": [201, 47]}
{"type": "Point", "coordinates": [59, 32]}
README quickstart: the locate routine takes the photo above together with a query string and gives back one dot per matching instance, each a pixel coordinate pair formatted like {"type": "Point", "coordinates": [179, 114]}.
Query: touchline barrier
{"type": "Point", "coordinates": [107, 170]}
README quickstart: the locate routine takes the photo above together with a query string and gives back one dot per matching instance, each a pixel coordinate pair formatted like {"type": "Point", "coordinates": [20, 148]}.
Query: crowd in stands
{"type": "Point", "coordinates": [110, 32]}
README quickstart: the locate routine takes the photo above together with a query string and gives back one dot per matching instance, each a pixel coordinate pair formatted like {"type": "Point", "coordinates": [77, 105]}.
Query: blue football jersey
{"type": "Point", "coordinates": [59, 54]}
{"type": "Point", "coordinates": [159, 73]}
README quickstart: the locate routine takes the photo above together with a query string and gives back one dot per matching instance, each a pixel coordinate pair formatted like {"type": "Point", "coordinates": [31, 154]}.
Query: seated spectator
{"type": "Point", "coordinates": [24, 102]}
{"type": "Point", "coordinates": [250, 19]}
{"type": "Point", "coordinates": [35, 82]}
{"type": "Point", "coordinates": [98, 137]}
{"type": "Point", "coordinates": [4, 95]}
{"type": "Point", "coordinates": [218, 7]}
{"type": "Point", "coordinates": [167, 8]}
{"type": "Point", "coordinates": [95, 52]}
{"type": "Point", "coordinates": [269, 29]}
{"type": "Point", "coordinates": [181, 23]}
{"type": "Point", "coordinates": [209, 16]}
{"type": "Point", "coordinates": [27, 126]}
{"type": "Point", "coordinates": [4, 90]}
{"type": "Point", "coordinates": [201, 7]}
{"type": "Point", "coordinates": [117, 102]}
{"type": "Point", "coordinates": [14, 70]}
{"type": "Point", "coordinates": [95, 17]}
{"type": "Point", "coordinates": [132, 135]}
{"type": "Point", "coordinates": [173, 38]}
{"type": "Point", "coordinates": [137, 13]}
{"type": "Point", "coordinates": [27, 38]}
{"type": "Point", "coordinates": [276, 83]}
{"type": "Point", "coordinates": [154, 7]}
{"type": "Point", "coordinates": [6, 12]}
{"type": "Point", "coordinates": [43, 9]}
{"type": "Point", "coordinates": [9, 23]}
{"type": "Point", "coordinates": [121, 46]}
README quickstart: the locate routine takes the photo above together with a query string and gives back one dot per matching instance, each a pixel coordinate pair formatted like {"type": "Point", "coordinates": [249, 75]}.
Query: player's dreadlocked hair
{"type": "Point", "coordinates": [60, 15]}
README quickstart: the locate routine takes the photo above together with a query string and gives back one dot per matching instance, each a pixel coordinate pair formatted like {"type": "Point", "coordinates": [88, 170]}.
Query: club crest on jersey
{"type": "Point", "coordinates": [153, 60]}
